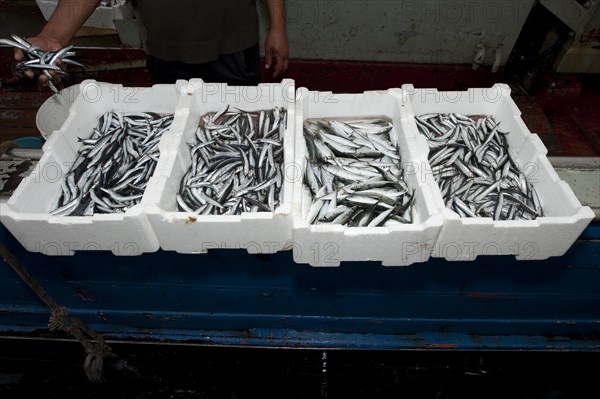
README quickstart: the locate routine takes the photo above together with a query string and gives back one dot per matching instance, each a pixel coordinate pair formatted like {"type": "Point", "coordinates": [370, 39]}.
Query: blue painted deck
{"type": "Point", "coordinates": [228, 297]}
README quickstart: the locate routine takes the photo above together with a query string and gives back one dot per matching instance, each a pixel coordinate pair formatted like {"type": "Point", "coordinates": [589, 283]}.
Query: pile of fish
{"type": "Point", "coordinates": [237, 162]}
{"type": "Point", "coordinates": [113, 166]}
{"type": "Point", "coordinates": [111, 3]}
{"type": "Point", "coordinates": [42, 62]}
{"type": "Point", "coordinates": [472, 165]}
{"type": "Point", "coordinates": [354, 174]}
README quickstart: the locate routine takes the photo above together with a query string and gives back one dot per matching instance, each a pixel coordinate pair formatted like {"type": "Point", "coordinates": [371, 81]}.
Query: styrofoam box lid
{"type": "Point", "coordinates": [54, 111]}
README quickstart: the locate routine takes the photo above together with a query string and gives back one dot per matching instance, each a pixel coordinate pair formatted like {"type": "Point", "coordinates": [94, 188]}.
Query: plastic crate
{"type": "Point", "coordinates": [393, 245]}
{"type": "Point", "coordinates": [466, 238]}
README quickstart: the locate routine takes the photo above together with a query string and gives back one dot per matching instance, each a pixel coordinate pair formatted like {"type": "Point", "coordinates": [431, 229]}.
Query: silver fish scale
{"type": "Point", "coordinates": [237, 163]}
{"type": "Point", "coordinates": [113, 166]}
{"type": "Point", "coordinates": [473, 167]}
{"type": "Point", "coordinates": [354, 174]}
{"type": "Point", "coordinates": [111, 3]}
{"type": "Point", "coordinates": [42, 62]}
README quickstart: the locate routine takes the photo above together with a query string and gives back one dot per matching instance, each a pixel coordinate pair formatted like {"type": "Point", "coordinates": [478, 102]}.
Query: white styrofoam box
{"type": "Point", "coordinates": [257, 232]}
{"type": "Point", "coordinates": [102, 17]}
{"type": "Point", "coordinates": [393, 245]}
{"type": "Point", "coordinates": [26, 213]}
{"type": "Point", "coordinates": [466, 238]}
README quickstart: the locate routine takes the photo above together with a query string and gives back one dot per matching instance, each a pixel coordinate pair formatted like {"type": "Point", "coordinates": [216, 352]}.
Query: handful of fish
{"type": "Point", "coordinates": [111, 3]}
{"type": "Point", "coordinates": [354, 174]}
{"type": "Point", "coordinates": [237, 163]}
{"type": "Point", "coordinates": [113, 166]}
{"type": "Point", "coordinates": [476, 174]}
{"type": "Point", "coordinates": [42, 62]}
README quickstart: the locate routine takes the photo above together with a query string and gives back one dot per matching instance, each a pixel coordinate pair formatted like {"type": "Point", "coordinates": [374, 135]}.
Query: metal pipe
{"type": "Point", "coordinates": [578, 163]}
{"type": "Point", "coordinates": [19, 154]}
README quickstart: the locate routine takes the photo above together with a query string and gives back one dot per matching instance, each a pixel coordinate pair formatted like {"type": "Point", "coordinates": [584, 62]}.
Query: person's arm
{"type": "Point", "coordinates": [276, 43]}
{"type": "Point", "coordinates": [66, 19]}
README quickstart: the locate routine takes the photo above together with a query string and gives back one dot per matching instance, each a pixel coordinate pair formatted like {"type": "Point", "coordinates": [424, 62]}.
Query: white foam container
{"type": "Point", "coordinates": [466, 238]}
{"type": "Point", "coordinates": [394, 245]}
{"type": "Point", "coordinates": [257, 232]}
{"type": "Point", "coordinates": [26, 213]}
{"type": "Point", "coordinates": [102, 17]}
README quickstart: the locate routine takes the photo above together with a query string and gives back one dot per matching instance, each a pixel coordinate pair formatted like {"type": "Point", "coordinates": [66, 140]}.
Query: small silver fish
{"type": "Point", "coordinates": [237, 160]}
{"type": "Point", "coordinates": [41, 62]}
{"type": "Point", "coordinates": [353, 174]}
{"type": "Point", "coordinates": [113, 165]}
{"type": "Point", "coordinates": [473, 167]}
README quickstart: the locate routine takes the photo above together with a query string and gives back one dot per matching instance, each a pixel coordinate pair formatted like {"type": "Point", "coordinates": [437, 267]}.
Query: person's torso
{"type": "Point", "coordinates": [198, 30]}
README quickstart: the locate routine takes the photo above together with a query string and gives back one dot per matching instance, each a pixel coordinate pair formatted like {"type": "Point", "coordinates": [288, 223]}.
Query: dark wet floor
{"type": "Point", "coordinates": [54, 370]}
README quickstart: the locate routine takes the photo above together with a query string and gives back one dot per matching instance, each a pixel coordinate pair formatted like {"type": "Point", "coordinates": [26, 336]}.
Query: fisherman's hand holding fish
{"type": "Point", "coordinates": [44, 44]}
{"type": "Point", "coordinates": [35, 61]}
{"type": "Point", "coordinates": [215, 41]}
{"type": "Point", "coordinates": [47, 53]}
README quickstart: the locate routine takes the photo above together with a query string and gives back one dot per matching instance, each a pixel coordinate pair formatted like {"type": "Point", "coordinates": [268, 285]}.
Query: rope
{"type": "Point", "coordinates": [58, 318]}
{"type": "Point", "coordinates": [92, 341]}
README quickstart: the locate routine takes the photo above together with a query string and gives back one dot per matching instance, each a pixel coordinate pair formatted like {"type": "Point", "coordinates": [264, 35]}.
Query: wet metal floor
{"type": "Point", "coordinates": [54, 369]}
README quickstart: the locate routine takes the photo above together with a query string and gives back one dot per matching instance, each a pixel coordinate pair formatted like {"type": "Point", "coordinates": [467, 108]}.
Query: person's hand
{"type": "Point", "coordinates": [46, 44]}
{"type": "Point", "coordinates": [276, 51]}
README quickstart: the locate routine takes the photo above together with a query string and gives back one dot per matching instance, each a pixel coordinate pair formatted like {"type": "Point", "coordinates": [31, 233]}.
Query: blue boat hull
{"type": "Point", "coordinates": [229, 297]}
